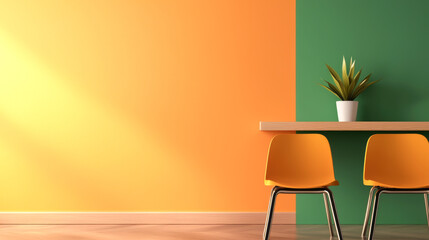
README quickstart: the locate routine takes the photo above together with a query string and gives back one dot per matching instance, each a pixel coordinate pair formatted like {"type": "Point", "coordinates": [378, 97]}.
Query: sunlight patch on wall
{"type": "Point", "coordinates": [61, 149]}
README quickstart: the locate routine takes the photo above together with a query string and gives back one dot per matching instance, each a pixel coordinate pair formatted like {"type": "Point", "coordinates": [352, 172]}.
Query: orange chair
{"type": "Point", "coordinates": [301, 163]}
{"type": "Point", "coordinates": [395, 163]}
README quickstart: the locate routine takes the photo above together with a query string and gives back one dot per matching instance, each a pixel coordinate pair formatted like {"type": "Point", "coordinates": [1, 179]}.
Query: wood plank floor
{"type": "Point", "coordinates": [199, 232]}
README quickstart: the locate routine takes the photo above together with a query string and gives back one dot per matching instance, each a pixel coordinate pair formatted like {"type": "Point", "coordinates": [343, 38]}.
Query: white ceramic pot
{"type": "Point", "coordinates": [347, 111]}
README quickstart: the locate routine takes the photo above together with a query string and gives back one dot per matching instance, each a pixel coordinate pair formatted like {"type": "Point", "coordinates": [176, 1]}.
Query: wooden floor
{"type": "Point", "coordinates": [200, 232]}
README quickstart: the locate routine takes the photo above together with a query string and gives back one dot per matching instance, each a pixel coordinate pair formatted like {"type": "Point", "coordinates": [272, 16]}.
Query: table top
{"type": "Point", "coordinates": [344, 126]}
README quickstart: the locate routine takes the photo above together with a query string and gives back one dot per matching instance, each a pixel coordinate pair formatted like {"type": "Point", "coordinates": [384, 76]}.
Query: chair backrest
{"type": "Point", "coordinates": [300, 161]}
{"type": "Point", "coordinates": [397, 160]}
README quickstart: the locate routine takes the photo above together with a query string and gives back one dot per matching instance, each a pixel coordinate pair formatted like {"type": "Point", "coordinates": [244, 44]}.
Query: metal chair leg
{"type": "Point", "coordinates": [334, 213]}
{"type": "Point", "coordinates": [426, 195]}
{"type": "Point", "coordinates": [368, 211]}
{"type": "Point", "coordinates": [328, 215]}
{"type": "Point", "coordinates": [374, 213]}
{"type": "Point", "coordinates": [270, 212]}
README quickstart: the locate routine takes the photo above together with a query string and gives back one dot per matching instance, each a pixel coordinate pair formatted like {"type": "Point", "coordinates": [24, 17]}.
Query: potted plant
{"type": "Point", "coordinates": [347, 89]}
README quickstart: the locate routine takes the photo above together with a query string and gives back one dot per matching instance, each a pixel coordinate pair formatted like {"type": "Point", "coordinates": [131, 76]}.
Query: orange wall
{"type": "Point", "coordinates": [142, 105]}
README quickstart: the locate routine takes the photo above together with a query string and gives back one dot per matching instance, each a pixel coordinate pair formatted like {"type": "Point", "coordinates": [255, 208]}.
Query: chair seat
{"type": "Point", "coordinates": [273, 183]}
{"type": "Point", "coordinates": [402, 186]}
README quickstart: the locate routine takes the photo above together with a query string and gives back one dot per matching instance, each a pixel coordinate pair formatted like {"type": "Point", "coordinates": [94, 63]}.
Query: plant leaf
{"type": "Point", "coordinates": [357, 76]}
{"type": "Point", "coordinates": [352, 70]}
{"type": "Point", "coordinates": [332, 91]}
{"type": "Point", "coordinates": [363, 87]}
{"type": "Point", "coordinates": [336, 77]}
{"type": "Point", "coordinates": [365, 79]}
{"type": "Point", "coordinates": [345, 81]}
{"type": "Point", "coordinates": [357, 91]}
{"type": "Point", "coordinates": [358, 88]}
{"type": "Point", "coordinates": [335, 89]}
{"type": "Point", "coordinates": [354, 82]}
{"type": "Point", "coordinates": [356, 79]}
{"type": "Point", "coordinates": [344, 69]}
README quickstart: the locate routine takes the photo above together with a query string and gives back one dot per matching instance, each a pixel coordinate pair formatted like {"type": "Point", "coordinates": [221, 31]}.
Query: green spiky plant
{"type": "Point", "coordinates": [348, 87]}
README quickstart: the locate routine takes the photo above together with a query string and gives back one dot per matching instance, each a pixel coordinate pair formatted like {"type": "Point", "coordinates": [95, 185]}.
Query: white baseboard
{"type": "Point", "coordinates": [191, 218]}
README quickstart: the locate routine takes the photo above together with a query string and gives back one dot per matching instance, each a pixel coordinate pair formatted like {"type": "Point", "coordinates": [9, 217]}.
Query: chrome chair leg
{"type": "Point", "coordinates": [270, 212]}
{"type": "Point", "coordinates": [426, 195]}
{"type": "Point", "coordinates": [326, 193]}
{"type": "Point", "coordinates": [328, 215]}
{"type": "Point", "coordinates": [374, 213]}
{"type": "Point", "coordinates": [334, 213]}
{"type": "Point", "coordinates": [368, 211]}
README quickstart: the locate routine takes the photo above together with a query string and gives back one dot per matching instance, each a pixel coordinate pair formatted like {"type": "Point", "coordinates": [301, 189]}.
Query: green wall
{"type": "Point", "coordinates": [389, 38]}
